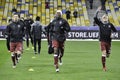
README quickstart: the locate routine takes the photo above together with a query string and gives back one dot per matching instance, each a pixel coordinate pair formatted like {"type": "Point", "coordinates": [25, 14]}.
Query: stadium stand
{"type": "Point", "coordinates": [113, 11]}
{"type": "Point", "coordinates": [40, 7]}
{"type": "Point", "coordinates": [47, 8]}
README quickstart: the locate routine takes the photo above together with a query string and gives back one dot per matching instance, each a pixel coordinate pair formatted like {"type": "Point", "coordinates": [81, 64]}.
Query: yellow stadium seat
{"type": "Point", "coordinates": [11, 0]}
{"type": "Point", "coordinates": [37, 8]}
{"type": "Point", "coordinates": [82, 20]}
{"type": "Point", "coordinates": [78, 21]}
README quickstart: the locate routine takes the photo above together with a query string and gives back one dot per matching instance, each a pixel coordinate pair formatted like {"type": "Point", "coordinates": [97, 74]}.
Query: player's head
{"type": "Point", "coordinates": [58, 14]}
{"type": "Point", "coordinates": [16, 17]}
{"type": "Point", "coordinates": [104, 18]}
{"type": "Point", "coordinates": [37, 18]}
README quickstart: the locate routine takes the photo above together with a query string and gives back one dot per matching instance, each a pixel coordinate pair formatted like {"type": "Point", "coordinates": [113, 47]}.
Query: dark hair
{"type": "Point", "coordinates": [17, 14]}
{"type": "Point", "coordinates": [9, 20]}
{"type": "Point", "coordinates": [37, 18]}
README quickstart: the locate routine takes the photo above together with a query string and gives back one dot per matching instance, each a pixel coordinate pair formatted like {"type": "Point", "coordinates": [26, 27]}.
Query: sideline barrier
{"type": "Point", "coordinates": [91, 32]}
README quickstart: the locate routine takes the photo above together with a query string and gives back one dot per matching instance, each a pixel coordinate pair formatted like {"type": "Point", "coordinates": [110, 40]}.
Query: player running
{"type": "Point", "coordinates": [105, 29]}
{"type": "Point", "coordinates": [16, 32]}
{"type": "Point", "coordinates": [59, 28]}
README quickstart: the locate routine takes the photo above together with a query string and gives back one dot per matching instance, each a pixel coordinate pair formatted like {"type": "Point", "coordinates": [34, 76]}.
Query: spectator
{"type": "Point", "coordinates": [75, 13]}
{"type": "Point", "coordinates": [91, 4]}
{"type": "Point", "coordinates": [14, 10]}
{"type": "Point", "coordinates": [47, 5]}
{"type": "Point", "coordinates": [68, 12]}
{"type": "Point", "coordinates": [103, 4]}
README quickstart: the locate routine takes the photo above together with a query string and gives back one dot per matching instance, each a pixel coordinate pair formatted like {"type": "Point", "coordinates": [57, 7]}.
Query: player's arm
{"type": "Point", "coordinates": [67, 27]}
{"type": "Point", "coordinates": [96, 20]}
{"type": "Point", "coordinates": [31, 30]}
{"type": "Point", "coordinates": [23, 29]}
{"type": "Point", "coordinates": [43, 29]}
{"type": "Point", "coordinates": [47, 27]}
{"type": "Point", "coordinates": [31, 21]}
{"type": "Point", "coordinates": [7, 31]}
{"type": "Point", "coordinates": [113, 28]}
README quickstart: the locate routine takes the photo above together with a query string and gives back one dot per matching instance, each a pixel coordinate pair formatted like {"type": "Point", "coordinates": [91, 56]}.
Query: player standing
{"type": "Point", "coordinates": [28, 22]}
{"type": "Point", "coordinates": [36, 30]}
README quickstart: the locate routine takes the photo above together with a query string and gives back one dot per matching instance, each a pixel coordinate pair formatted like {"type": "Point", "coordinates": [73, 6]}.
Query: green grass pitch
{"type": "Point", "coordinates": [82, 61]}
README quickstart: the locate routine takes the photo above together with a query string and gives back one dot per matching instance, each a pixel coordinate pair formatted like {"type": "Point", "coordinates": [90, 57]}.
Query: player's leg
{"type": "Point", "coordinates": [35, 41]}
{"type": "Point", "coordinates": [12, 49]}
{"type": "Point", "coordinates": [8, 44]}
{"type": "Point", "coordinates": [56, 59]}
{"type": "Point", "coordinates": [18, 50]}
{"type": "Point", "coordinates": [39, 45]}
{"type": "Point", "coordinates": [13, 59]}
{"type": "Point", "coordinates": [56, 45]}
{"type": "Point", "coordinates": [16, 57]}
{"type": "Point", "coordinates": [22, 46]}
{"type": "Point", "coordinates": [48, 39]}
{"type": "Point", "coordinates": [31, 38]}
{"type": "Point", "coordinates": [27, 40]}
{"type": "Point", "coordinates": [103, 58]}
{"type": "Point", "coordinates": [108, 47]}
{"type": "Point", "coordinates": [61, 52]}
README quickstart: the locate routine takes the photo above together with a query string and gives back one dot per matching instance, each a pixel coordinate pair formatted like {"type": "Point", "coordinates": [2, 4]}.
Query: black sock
{"type": "Point", "coordinates": [16, 56]}
{"type": "Point", "coordinates": [103, 61]}
{"type": "Point", "coordinates": [13, 59]}
{"type": "Point", "coordinates": [56, 61]}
